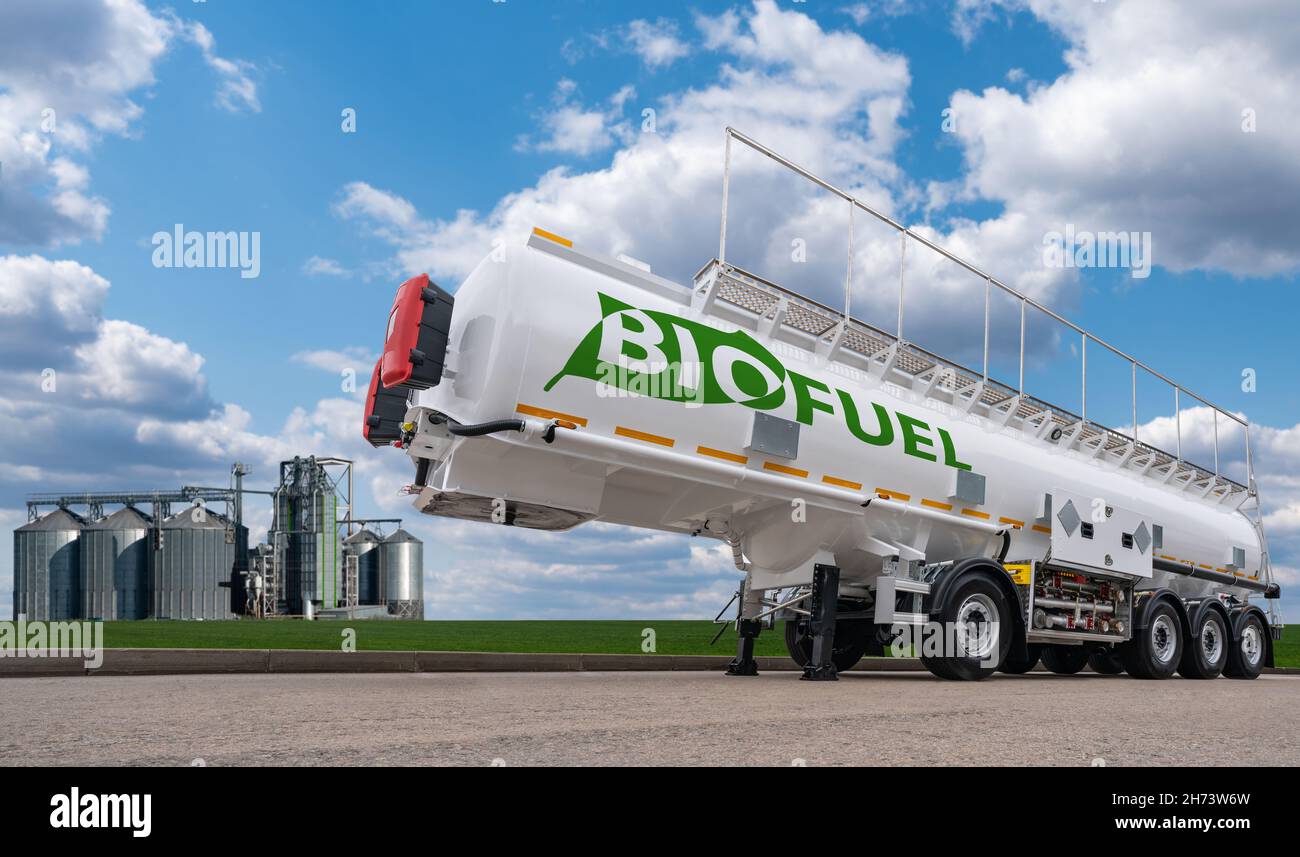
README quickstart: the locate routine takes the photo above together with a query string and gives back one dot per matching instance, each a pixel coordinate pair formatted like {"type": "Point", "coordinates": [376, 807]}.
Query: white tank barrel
{"type": "Point", "coordinates": [546, 332]}
{"type": "Point", "coordinates": [561, 386]}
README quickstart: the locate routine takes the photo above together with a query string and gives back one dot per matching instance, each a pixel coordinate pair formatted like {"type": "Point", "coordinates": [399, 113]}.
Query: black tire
{"type": "Point", "coordinates": [939, 667]}
{"type": "Point", "coordinates": [1246, 658]}
{"type": "Point", "coordinates": [1105, 662]}
{"type": "Point", "coordinates": [1206, 652]}
{"type": "Point", "coordinates": [973, 602]}
{"type": "Point", "coordinates": [852, 641]}
{"type": "Point", "coordinates": [1065, 660]}
{"type": "Point", "coordinates": [1155, 650]}
{"type": "Point", "coordinates": [1014, 665]}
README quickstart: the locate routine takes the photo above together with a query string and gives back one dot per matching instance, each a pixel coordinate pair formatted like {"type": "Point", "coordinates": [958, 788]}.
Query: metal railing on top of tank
{"type": "Point", "coordinates": [990, 283]}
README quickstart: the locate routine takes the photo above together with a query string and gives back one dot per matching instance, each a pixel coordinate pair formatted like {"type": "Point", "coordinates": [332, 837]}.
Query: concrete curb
{"type": "Point", "coordinates": [180, 661]}
{"type": "Point", "coordinates": [304, 661]}
{"type": "Point", "coordinates": [129, 662]}
{"type": "Point", "coordinates": [12, 667]}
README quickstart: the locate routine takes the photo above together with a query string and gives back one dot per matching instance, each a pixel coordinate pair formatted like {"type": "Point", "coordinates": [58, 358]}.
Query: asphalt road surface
{"type": "Point", "coordinates": [660, 718]}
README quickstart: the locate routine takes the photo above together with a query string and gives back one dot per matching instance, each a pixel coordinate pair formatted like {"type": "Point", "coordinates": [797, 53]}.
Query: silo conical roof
{"type": "Point", "coordinates": [186, 519]}
{"type": "Point", "coordinates": [127, 518]}
{"type": "Point", "coordinates": [400, 536]}
{"type": "Point", "coordinates": [361, 536]}
{"type": "Point", "coordinates": [59, 519]}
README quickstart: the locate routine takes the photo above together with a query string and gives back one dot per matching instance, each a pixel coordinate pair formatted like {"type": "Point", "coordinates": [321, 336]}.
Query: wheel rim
{"type": "Point", "coordinates": [977, 627]}
{"type": "Point", "coordinates": [1164, 639]}
{"type": "Point", "coordinates": [1212, 640]}
{"type": "Point", "coordinates": [1251, 644]}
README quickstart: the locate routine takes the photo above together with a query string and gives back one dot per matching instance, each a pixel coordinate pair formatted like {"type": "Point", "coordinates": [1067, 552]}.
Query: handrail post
{"type": "Point", "coordinates": [988, 289]}
{"type": "Point", "coordinates": [1215, 411]}
{"type": "Point", "coordinates": [1022, 348]}
{"type": "Point", "coordinates": [1250, 463]}
{"type": "Point", "coordinates": [726, 185]}
{"type": "Point", "coordinates": [1083, 415]}
{"type": "Point", "coordinates": [848, 279]}
{"type": "Point", "coordinates": [1178, 420]}
{"type": "Point", "coordinates": [902, 264]}
{"type": "Point", "coordinates": [1134, 366]}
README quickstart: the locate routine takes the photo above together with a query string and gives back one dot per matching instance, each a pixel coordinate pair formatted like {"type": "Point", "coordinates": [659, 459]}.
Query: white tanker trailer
{"type": "Point", "coordinates": [873, 493]}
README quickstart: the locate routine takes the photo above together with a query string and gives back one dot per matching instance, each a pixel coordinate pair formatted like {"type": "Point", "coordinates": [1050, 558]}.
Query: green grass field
{"type": "Point", "coordinates": [671, 637]}
{"type": "Point", "coordinates": [1286, 651]}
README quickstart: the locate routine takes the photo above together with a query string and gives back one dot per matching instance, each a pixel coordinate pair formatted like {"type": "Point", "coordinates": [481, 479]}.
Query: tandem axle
{"type": "Point", "coordinates": [971, 618]}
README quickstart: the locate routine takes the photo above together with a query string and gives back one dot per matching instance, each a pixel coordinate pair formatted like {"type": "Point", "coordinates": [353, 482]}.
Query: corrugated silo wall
{"type": "Point", "coordinates": [114, 574]}
{"type": "Point", "coordinates": [47, 575]}
{"type": "Point", "coordinates": [331, 564]}
{"type": "Point", "coordinates": [313, 570]}
{"type": "Point", "coordinates": [187, 573]}
{"type": "Point", "coordinates": [368, 574]}
{"type": "Point", "coordinates": [402, 564]}
{"type": "Point", "coordinates": [21, 578]}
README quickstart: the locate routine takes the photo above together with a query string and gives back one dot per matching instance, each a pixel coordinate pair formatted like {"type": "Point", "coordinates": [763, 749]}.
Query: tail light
{"type": "Point", "coordinates": [385, 410]}
{"type": "Point", "coordinates": [415, 346]}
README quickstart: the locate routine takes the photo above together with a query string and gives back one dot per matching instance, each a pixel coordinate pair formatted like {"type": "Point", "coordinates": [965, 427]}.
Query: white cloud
{"type": "Point", "coordinates": [46, 303]}
{"type": "Point", "coordinates": [828, 99]}
{"type": "Point", "coordinates": [317, 266]}
{"type": "Point", "coordinates": [387, 210]}
{"type": "Point", "coordinates": [571, 128]}
{"type": "Point", "coordinates": [1286, 575]}
{"type": "Point", "coordinates": [362, 360]}
{"type": "Point", "coordinates": [237, 91]}
{"type": "Point", "coordinates": [656, 43]}
{"type": "Point", "coordinates": [1284, 520]}
{"type": "Point", "coordinates": [51, 318]}
{"type": "Point", "coordinates": [576, 131]}
{"type": "Point", "coordinates": [69, 75]}
{"type": "Point", "coordinates": [859, 12]}
{"type": "Point", "coordinates": [126, 364]}
{"type": "Point", "coordinates": [1144, 130]}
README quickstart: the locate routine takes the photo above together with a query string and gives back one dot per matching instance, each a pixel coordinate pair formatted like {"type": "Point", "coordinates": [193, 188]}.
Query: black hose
{"type": "Point", "coordinates": [1006, 546]}
{"type": "Point", "coordinates": [480, 429]}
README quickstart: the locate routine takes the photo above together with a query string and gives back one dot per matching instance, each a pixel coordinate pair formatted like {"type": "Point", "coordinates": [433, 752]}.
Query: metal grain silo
{"type": "Point", "coordinates": [47, 567]}
{"type": "Point", "coordinates": [198, 553]}
{"type": "Point", "coordinates": [364, 545]}
{"type": "Point", "coordinates": [401, 564]}
{"type": "Point", "coordinates": [305, 536]}
{"type": "Point", "coordinates": [115, 567]}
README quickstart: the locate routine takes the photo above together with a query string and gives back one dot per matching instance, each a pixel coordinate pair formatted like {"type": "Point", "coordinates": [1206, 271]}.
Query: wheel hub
{"type": "Point", "coordinates": [1163, 639]}
{"type": "Point", "coordinates": [1251, 647]}
{"type": "Point", "coordinates": [1212, 641]}
{"type": "Point", "coordinates": [977, 627]}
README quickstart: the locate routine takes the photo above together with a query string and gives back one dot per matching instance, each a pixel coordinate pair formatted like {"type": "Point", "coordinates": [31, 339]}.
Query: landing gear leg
{"type": "Point", "coordinates": [744, 664]}
{"type": "Point", "coordinates": [747, 631]}
{"type": "Point", "coordinates": [825, 592]}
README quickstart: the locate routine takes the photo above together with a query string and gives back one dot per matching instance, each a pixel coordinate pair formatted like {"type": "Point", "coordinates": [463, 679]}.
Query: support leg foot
{"type": "Point", "coordinates": [825, 593]}
{"type": "Point", "coordinates": [744, 663]}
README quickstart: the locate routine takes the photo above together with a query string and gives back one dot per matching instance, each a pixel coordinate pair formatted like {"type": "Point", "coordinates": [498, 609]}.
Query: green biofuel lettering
{"type": "Point", "coordinates": [660, 355]}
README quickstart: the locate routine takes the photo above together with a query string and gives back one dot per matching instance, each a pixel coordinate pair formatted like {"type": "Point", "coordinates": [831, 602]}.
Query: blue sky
{"type": "Point", "coordinates": [476, 119]}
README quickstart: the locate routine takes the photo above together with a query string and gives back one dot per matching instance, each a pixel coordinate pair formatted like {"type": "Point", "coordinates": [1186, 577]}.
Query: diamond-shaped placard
{"type": "Point", "coordinates": [1142, 538]}
{"type": "Point", "coordinates": [1069, 518]}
